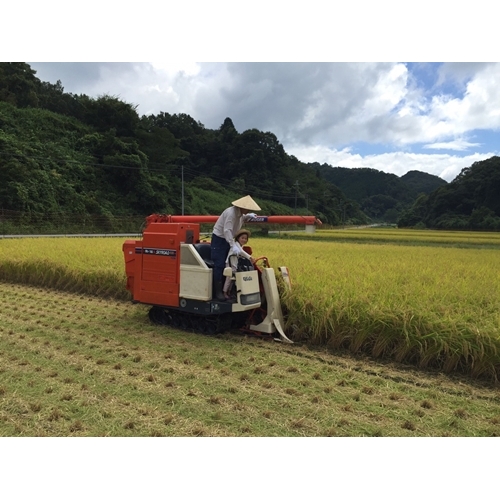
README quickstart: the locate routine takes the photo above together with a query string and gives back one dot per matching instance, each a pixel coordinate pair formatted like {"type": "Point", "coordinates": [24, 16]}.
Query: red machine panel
{"type": "Point", "coordinates": [153, 263]}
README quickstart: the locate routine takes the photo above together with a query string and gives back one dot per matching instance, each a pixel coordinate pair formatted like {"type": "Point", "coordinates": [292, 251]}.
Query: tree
{"type": "Point", "coordinates": [414, 215]}
{"type": "Point", "coordinates": [18, 84]}
{"type": "Point", "coordinates": [108, 112]}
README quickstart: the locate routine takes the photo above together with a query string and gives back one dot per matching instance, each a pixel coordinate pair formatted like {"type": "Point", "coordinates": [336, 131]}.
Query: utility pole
{"type": "Point", "coordinates": [182, 187]}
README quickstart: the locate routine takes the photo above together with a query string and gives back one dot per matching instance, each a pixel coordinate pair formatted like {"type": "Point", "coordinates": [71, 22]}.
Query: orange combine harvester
{"type": "Point", "coordinates": [171, 270]}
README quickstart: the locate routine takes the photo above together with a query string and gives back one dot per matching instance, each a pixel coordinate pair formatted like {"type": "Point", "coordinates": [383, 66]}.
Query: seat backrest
{"type": "Point", "coordinates": [205, 253]}
{"type": "Point", "coordinates": [244, 265]}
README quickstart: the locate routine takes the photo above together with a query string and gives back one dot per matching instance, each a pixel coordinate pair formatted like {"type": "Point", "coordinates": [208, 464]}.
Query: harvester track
{"type": "Point", "coordinates": [190, 322]}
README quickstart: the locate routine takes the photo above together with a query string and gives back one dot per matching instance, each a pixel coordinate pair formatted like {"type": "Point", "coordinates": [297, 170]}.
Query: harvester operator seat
{"type": "Point", "coordinates": [244, 265]}
{"type": "Point", "coordinates": [204, 250]}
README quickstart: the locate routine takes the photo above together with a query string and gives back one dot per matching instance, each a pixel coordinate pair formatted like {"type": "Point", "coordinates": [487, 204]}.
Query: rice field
{"type": "Point", "coordinates": [393, 235]}
{"type": "Point", "coordinates": [428, 301]}
{"type": "Point", "coordinates": [426, 305]}
{"type": "Point", "coordinates": [80, 265]}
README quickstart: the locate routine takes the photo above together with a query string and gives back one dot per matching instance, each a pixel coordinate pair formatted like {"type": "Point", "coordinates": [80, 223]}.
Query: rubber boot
{"type": "Point", "coordinates": [219, 294]}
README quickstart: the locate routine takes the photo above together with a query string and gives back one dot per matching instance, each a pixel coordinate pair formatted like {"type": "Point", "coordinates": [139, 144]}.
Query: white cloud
{"type": "Point", "coordinates": [442, 165]}
{"type": "Point", "coordinates": [458, 73]}
{"type": "Point", "coordinates": [456, 145]}
{"type": "Point", "coordinates": [478, 108]}
{"type": "Point", "coordinates": [445, 117]}
{"type": "Point", "coordinates": [172, 68]}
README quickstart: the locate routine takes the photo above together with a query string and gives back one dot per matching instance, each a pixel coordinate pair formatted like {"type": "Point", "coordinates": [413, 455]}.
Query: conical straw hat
{"type": "Point", "coordinates": [246, 203]}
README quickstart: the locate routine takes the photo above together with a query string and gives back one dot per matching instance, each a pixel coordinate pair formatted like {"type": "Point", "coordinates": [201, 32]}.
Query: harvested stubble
{"type": "Point", "coordinates": [108, 372]}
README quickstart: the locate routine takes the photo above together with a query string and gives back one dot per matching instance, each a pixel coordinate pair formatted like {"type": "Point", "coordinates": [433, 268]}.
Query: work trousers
{"type": "Point", "coordinates": [219, 248]}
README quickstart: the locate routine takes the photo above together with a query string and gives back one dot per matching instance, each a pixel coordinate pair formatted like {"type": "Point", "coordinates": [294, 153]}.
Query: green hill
{"type": "Point", "coordinates": [381, 196]}
{"type": "Point", "coordinates": [470, 201]}
{"type": "Point", "coordinates": [422, 182]}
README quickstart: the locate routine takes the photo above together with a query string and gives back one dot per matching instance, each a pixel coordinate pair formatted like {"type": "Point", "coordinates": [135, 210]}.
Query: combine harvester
{"type": "Point", "coordinates": [171, 270]}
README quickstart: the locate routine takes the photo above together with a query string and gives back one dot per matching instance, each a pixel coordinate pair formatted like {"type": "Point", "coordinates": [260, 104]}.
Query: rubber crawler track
{"type": "Point", "coordinates": [191, 322]}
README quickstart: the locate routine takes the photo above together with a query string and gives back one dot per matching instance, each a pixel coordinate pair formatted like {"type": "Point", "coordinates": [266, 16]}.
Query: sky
{"type": "Point", "coordinates": [390, 116]}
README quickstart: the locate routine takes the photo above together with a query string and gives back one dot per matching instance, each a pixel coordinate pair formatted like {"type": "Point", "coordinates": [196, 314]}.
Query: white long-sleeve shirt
{"type": "Point", "coordinates": [229, 223]}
